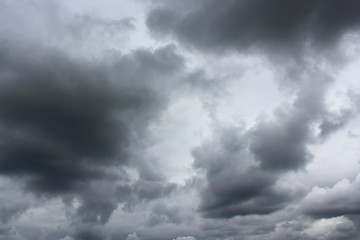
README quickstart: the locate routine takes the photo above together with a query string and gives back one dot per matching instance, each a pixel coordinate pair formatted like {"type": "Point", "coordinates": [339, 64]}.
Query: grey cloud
{"type": "Point", "coordinates": [279, 25]}
{"type": "Point", "coordinates": [77, 129]}
{"type": "Point", "coordinates": [235, 185]}
{"type": "Point", "coordinates": [52, 24]}
{"type": "Point", "coordinates": [90, 232]}
{"type": "Point", "coordinates": [152, 189]}
{"type": "Point", "coordinates": [281, 144]}
{"type": "Point", "coordinates": [264, 202]}
{"type": "Point", "coordinates": [68, 125]}
{"type": "Point", "coordinates": [85, 25]}
{"type": "Point", "coordinates": [242, 168]}
{"type": "Point", "coordinates": [97, 209]}
{"type": "Point", "coordinates": [13, 203]}
{"type": "Point", "coordinates": [243, 227]}
{"type": "Point", "coordinates": [304, 228]}
{"type": "Point", "coordinates": [9, 233]}
{"type": "Point", "coordinates": [333, 202]}
{"type": "Point", "coordinates": [142, 191]}
{"type": "Point", "coordinates": [165, 217]}
{"type": "Point", "coordinates": [62, 121]}
{"type": "Point", "coordinates": [9, 211]}
{"type": "Point", "coordinates": [165, 214]}
{"type": "Point", "coordinates": [56, 126]}
{"type": "Point", "coordinates": [335, 122]}
{"type": "Point", "coordinates": [185, 238]}
{"type": "Point", "coordinates": [132, 236]}
{"type": "Point", "coordinates": [279, 225]}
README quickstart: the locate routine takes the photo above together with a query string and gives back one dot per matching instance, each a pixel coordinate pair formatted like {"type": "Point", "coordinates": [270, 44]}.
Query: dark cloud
{"type": "Point", "coordinates": [279, 25]}
{"type": "Point", "coordinates": [68, 126]}
{"type": "Point", "coordinates": [57, 126]}
{"type": "Point", "coordinates": [235, 184]}
{"type": "Point", "coordinates": [77, 118]}
{"type": "Point", "coordinates": [90, 233]}
{"type": "Point", "coordinates": [264, 202]}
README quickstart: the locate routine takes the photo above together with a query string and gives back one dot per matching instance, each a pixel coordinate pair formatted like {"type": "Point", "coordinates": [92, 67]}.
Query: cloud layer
{"type": "Point", "coordinates": [135, 124]}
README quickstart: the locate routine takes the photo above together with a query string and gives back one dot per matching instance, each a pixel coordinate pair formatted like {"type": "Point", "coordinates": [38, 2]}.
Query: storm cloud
{"type": "Point", "coordinates": [279, 25]}
{"type": "Point", "coordinates": [68, 125]}
{"type": "Point", "coordinates": [63, 121]}
{"type": "Point", "coordinates": [179, 120]}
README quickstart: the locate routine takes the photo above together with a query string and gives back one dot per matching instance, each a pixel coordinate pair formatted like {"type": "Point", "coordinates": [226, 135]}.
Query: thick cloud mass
{"type": "Point", "coordinates": [67, 123]}
{"type": "Point", "coordinates": [182, 120]}
{"type": "Point", "coordinates": [63, 121]}
{"type": "Point", "coordinates": [245, 25]}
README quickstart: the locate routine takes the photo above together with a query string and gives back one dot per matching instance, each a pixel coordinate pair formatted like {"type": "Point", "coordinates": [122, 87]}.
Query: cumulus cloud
{"type": "Point", "coordinates": [333, 202]}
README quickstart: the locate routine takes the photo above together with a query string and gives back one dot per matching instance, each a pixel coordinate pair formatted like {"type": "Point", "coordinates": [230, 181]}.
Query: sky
{"type": "Point", "coordinates": [179, 120]}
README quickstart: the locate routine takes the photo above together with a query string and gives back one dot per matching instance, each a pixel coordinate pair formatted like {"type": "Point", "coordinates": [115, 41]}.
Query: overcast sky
{"type": "Point", "coordinates": [179, 120]}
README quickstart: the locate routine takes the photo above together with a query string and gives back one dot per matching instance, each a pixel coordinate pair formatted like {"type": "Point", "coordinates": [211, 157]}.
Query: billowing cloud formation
{"type": "Point", "coordinates": [333, 202]}
{"type": "Point", "coordinates": [67, 123]}
{"type": "Point", "coordinates": [242, 168]}
{"type": "Point", "coordinates": [179, 120]}
{"type": "Point", "coordinates": [62, 121]}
